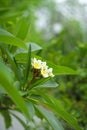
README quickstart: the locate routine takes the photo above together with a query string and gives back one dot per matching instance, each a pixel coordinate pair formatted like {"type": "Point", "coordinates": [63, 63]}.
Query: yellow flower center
{"type": "Point", "coordinates": [36, 65]}
{"type": "Point", "coordinates": [43, 71]}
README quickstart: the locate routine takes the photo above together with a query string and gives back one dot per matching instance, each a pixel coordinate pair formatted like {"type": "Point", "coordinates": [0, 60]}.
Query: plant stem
{"type": "Point", "coordinates": [29, 83]}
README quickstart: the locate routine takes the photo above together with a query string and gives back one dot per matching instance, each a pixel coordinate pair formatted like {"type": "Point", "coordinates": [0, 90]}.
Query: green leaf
{"type": "Point", "coordinates": [21, 56]}
{"type": "Point", "coordinates": [38, 82]}
{"type": "Point", "coordinates": [22, 53]}
{"type": "Point", "coordinates": [7, 84]}
{"type": "Point", "coordinates": [9, 16]}
{"type": "Point", "coordinates": [28, 64]}
{"type": "Point", "coordinates": [61, 70]}
{"type": "Point", "coordinates": [49, 116]}
{"type": "Point", "coordinates": [22, 28]}
{"type": "Point", "coordinates": [34, 46]}
{"type": "Point", "coordinates": [48, 84]}
{"type": "Point", "coordinates": [56, 107]}
{"type": "Point", "coordinates": [31, 109]}
{"type": "Point", "coordinates": [11, 61]}
{"type": "Point", "coordinates": [18, 71]}
{"type": "Point", "coordinates": [3, 10]}
{"type": "Point", "coordinates": [7, 118]}
{"type": "Point", "coordinates": [9, 38]}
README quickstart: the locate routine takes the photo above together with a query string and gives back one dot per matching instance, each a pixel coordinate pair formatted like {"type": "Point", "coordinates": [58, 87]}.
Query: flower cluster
{"type": "Point", "coordinates": [44, 70]}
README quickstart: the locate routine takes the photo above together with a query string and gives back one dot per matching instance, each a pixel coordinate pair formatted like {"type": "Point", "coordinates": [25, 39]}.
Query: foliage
{"type": "Point", "coordinates": [72, 89]}
{"type": "Point", "coordinates": [22, 88]}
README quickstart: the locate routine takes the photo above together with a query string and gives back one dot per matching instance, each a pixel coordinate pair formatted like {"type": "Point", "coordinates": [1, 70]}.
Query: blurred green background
{"type": "Point", "coordinates": [60, 28]}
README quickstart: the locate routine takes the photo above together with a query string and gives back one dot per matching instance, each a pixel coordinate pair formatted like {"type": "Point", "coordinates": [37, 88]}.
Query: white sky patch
{"type": "Point", "coordinates": [57, 27]}
{"type": "Point", "coordinates": [80, 1]}
{"type": "Point", "coordinates": [59, 1]}
{"type": "Point", "coordinates": [83, 1]}
{"type": "Point", "coordinates": [42, 18]}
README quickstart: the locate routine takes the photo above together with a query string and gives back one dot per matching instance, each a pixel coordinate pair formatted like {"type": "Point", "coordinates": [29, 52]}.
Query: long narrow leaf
{"type": "Point", "coordinates": [10, 15]}
{"type": "Point", "coordinates": [22, 28]}
{"type": "Point", "coordinates": [8, 38]}
{"type": "Point", "coordinates": [61, 70]}
{"type": "Point", "coordinates": [28, 64]}
{"type": "Point", "coordinates": [48, 84]}
{"type": "Point", "coordinates": [56, 106]}
{"type": "Point", "coordinates": [30, 107]}
{"type": "Point", "coordinates": [39, 82]}
{"type": "Point", "coordinates": [7, 84]}
{"type": "Point", "coordinates": [49, 116]}
{"type": "Point", "coordinates": [11, 61]}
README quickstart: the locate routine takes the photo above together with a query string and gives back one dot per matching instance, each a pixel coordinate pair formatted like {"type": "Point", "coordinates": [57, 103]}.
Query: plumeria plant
{"type": "Point", "coordinates": [26, 78]}
{"type": "Point", "coordinates": [23, 82]}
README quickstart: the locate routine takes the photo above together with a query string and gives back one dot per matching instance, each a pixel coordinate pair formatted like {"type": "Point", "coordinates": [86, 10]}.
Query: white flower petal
{"type": "Point", "coordinates": [36, 63]}
{"type": "Point", "coordinates": [50, 72]}
{"type": "Point", "coordinates": [43, 63]}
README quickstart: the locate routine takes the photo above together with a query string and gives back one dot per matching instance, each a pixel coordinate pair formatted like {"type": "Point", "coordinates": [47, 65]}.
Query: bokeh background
{"type": "Point", "coordinates": [60, 28]}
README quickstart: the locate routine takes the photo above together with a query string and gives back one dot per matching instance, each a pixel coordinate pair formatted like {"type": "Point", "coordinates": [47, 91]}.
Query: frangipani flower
{"type": "Point", "coordinates": [44, 70]}
{"type": "Point", "coordinates": [36, 63]}
{"type": "Point", "coordinates": [50, 73]}
{"type": "Point", "coordinates": [43, 64]}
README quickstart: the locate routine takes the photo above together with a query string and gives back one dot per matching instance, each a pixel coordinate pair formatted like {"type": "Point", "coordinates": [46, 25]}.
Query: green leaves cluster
{"type": "Point", "coordinates": [15, 74]}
